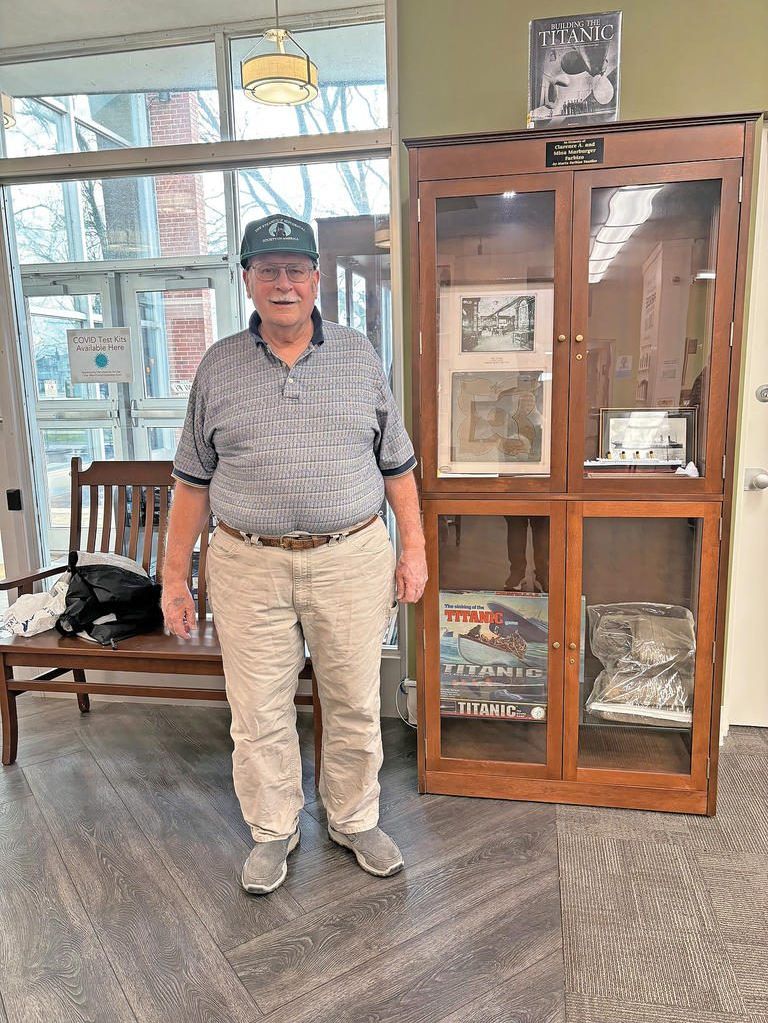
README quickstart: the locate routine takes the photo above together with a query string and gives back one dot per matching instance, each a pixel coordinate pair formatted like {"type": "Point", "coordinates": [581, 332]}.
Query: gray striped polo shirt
{"type": "Point", "coordinates": [305, 448]}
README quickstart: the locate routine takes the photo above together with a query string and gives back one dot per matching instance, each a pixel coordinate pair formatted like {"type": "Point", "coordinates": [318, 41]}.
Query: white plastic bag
{"type": "Point", "coordinates": [33, 613]}
{"type": "Point", "coordinates": [648, 652]}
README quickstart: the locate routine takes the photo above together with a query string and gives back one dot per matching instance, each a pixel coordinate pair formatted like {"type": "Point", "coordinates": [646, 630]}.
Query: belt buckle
{"type": "Point", "coordinates": [285, 542]}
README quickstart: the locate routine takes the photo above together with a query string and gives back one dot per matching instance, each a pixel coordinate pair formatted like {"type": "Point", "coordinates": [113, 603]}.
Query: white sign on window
{"type": "Point", "coordinates": [101, 355]}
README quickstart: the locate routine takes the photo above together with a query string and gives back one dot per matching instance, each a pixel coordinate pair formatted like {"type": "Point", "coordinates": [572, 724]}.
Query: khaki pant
{"type": "Point", "coordinates": [266, 602]}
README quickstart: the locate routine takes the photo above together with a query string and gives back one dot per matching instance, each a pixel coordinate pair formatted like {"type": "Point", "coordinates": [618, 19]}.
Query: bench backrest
{"type": "Point", "coordinates": [122, 508]}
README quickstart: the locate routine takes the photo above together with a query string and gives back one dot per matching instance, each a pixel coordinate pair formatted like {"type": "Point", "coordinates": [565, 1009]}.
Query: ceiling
{"type": "Point", "coordinates": [355, 55]}
{"type": "Point", "coordinates": [49, 21]}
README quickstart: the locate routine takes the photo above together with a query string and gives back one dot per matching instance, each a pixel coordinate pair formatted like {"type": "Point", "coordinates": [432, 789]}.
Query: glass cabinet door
{"type": "Point", "coordinates": [495, 263]}
{"type": "Point", "coordinates": [654, 253]}
{"type": "Point", "coordinates": [639, 641]}
{"type": "Point", "coordinates": [494, 608]}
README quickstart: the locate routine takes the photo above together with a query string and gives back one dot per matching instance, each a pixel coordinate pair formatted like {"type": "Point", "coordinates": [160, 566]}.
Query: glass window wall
{"type": "Point", "coordinates": [157, 97]}
{"type": "Point", "coordinates": [352, 79]}
{"type": "Point", "coordinates": [126, 218]}
{"type": "Point", "coordinates": [348, 205]}
{"type": "Point", "coordinates": [152, 252]}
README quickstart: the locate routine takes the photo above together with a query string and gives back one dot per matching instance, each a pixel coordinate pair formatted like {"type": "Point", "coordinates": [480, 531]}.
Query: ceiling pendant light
{"type": "Point", "coordinates": [9, 117]}
{"type": "Point", "coordinates": [279, 78]}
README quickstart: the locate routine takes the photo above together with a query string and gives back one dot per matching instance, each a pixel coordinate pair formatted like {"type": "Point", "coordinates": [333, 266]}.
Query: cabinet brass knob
{"type": "Point", "coordinates": [555, 645]}
{"type": "Point", "coordinates": [579, 356]}
{"type": "Point", "coordinates": [561, 337]}
{"type": "Point", "coordinates": [579, 337]}
{"type": "Point", "coordinates": [571, 646]}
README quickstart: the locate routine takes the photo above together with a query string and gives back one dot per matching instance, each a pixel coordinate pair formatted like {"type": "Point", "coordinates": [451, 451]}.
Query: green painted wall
{"type": "Point", "coordinates": [463, 65]}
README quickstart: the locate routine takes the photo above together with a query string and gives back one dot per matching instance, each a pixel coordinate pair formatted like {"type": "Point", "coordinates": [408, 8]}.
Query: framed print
{"type": "Point", "coordinates": [495, 379]}
{"type": "Point", "coordinates": [495, 320]}
{"type": "Point", "coordinates": [503, 323]}
{"type": "Point", "coordinates": [498, 423]}
{"type": "Point", "coordinates": [647, 437]}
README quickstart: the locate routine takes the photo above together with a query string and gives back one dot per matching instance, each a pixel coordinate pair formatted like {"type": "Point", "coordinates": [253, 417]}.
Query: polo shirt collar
{"type": "Point", "coordinates": [317, 322]}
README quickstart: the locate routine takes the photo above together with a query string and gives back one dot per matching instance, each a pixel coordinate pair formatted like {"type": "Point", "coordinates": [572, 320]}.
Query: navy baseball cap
{"type": "Point", "coordinates": [277, 234]}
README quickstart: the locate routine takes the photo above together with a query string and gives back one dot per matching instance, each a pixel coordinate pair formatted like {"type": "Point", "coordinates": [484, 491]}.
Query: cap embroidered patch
{"type": "Point", "coordinates": [277, 233]}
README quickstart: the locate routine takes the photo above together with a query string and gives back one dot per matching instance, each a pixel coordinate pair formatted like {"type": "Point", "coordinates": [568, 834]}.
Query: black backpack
{"type": "Point", "coordinates": [98, 590]}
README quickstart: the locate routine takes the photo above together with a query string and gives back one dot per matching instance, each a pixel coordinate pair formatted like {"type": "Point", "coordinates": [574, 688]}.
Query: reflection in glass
{"type": "Point", "coordinates": [120, 218]}
{"type": "Point", "coordinates": [494, 649]}
{"type": "Point", "coordinates": [641, 582]}
{"type": "Point", "coordinates": [347, 203]}
{"type": "Point", "coordinates": [652, 262]}
{"type": "Point", "coordinates": [167, 95]}
{"type": "Point", "coordinates": [177, 328]}
{"type": "Point", "coordinates": [163, 441]}
{"type": "Point", "coordinates": [495, 274]}
{"type": "Point", "coordinates": [50, 317]}
{"type": "Point", "coordinates": [60, 446]}
{"type": "Point", "coordinates": [497, 418]}
{"type": "Point", "coordinates": [353, 85]}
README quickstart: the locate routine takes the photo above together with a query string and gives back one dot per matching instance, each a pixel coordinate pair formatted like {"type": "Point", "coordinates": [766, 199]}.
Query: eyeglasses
{"type": "Point", "coordinates": [297, 273]}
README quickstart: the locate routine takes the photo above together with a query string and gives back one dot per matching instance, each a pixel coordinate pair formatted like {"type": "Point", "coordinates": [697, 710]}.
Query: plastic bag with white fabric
{"type": "Point", "coordinates": [34, 613]}
{"type": "Point", "coordinates": [648, 652]}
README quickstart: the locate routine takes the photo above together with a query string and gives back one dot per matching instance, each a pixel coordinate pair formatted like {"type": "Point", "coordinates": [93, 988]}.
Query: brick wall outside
{"type": "Point", "coordinates": [189, 321]}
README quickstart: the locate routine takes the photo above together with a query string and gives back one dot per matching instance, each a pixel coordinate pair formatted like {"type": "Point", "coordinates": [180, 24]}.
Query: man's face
{"type": "Point", "coordinates": [282, 302]}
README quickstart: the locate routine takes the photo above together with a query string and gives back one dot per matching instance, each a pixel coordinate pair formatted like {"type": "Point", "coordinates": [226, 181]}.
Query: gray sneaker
{"type": "Point", "coordinates": [267, 865]}
{"type": "Point", "coordinates": [375, 851]}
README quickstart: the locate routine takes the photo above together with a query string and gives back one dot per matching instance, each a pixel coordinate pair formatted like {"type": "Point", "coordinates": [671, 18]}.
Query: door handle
{"type": "Point", "coordinates": [756, 479]}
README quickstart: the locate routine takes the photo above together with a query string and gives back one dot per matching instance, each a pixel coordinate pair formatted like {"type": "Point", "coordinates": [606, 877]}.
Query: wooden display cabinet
{"type": "Point", "coordinates": [576, 347]}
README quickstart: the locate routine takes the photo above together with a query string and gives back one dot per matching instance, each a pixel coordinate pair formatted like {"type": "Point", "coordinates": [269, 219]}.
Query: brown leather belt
{"type": "Point", "coordinates": [294, 543]}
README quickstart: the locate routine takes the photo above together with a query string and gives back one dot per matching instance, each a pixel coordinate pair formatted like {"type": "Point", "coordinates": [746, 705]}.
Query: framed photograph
{"type": "Point", "coordinates": [647, 436]}
{"type": "Point", "coordinates": [498, 423]}
{"type": "Point", "coordinates": [573, 70]}
{"type": "Point", "coordinates": [504, 323]}
{"type": "Point", "coordinates": [500, 322]}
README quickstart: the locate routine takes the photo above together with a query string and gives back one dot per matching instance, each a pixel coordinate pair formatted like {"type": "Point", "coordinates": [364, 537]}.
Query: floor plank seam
{"type": "Point", "coordinates": [483, 995]}
{"type": "Point", "coordinates": [365, 882]}
{"type": "Point", "coordinates": [162, 861]}
{"type": "Point", "coordinates": [55, 756]}
{"type": "Point", "coordinates": [435, 927]}
{"type": "Point", "coordinates": [76, 890]}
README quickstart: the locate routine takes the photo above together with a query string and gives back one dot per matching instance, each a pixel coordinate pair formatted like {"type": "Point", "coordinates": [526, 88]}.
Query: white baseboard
{"type": "Point", "coordinates": [724, 724]}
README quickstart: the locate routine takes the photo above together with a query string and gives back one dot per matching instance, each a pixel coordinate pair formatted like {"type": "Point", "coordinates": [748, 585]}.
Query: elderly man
{"type": "Point", "coordinates": [293, 439]}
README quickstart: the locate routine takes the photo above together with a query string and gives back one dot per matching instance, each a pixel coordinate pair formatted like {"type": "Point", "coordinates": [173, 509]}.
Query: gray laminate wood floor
{"type": "Point", "coordinates": [121, 840]}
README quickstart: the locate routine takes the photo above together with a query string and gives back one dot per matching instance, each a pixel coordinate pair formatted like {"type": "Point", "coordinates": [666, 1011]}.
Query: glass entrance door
{"type": "Point", "coordinates": [173, 316]}
{"type": "Point", "coordinates": [71, 419]}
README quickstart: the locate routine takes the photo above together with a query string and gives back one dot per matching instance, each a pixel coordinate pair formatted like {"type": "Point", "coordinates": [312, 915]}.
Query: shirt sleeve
{"type": "Point", "coordinates": [196, 458]}
{"type": "Point", "coordinates": [392, 446]}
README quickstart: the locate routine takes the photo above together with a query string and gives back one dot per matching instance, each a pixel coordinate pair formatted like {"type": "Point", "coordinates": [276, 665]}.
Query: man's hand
{"type": "Point", "coordinates": [411, 575]}
{"type": "Point", "coordinates": [178, 609]}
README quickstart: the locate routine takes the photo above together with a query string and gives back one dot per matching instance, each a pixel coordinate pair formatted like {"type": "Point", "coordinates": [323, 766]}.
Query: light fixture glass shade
{"type": "Point", "coordinates": [279, 78]}
{"type": "Point", "coordinates": [9, 117]}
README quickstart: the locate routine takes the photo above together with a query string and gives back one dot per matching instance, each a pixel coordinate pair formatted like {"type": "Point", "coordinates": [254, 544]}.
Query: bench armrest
{"type": "Point", "coordinates": [23, 583]}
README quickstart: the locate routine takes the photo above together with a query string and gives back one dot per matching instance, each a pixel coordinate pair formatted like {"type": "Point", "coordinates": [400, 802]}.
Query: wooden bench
{"type": "Point", "coordinates": [120, 507]}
